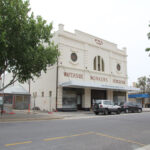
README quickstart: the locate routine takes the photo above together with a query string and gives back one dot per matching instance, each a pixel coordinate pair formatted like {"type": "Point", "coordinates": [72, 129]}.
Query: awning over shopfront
{"type": "Point", "coordinates": [145, 95]}
{"type": "Point", "coordinates": [81, 84]}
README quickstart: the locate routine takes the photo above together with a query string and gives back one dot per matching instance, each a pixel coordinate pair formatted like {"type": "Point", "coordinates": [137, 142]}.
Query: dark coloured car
{"type": "Point", "coordinates": [131, 107]}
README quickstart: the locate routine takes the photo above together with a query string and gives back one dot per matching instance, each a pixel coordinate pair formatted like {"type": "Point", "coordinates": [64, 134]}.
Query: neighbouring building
{"type": "Point", "coordinates": [16, 97]}
{"type": "Point", "coordinates": [140, 97]}
{"type": "Point", "coordinates": [88, 68]}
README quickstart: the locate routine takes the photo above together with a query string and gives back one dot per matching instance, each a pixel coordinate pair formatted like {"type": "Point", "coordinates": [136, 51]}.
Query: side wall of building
{"type": "Point", "coordinates": [43, 90]}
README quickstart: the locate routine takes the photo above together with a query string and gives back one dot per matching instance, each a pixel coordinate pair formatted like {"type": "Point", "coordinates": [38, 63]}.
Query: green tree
{"type": "Point", "coordinates": [26, 46]}
{"type": "Point", "coordinates": [148, 49]}
{"type": "Point", "coordinates": [144, 84]}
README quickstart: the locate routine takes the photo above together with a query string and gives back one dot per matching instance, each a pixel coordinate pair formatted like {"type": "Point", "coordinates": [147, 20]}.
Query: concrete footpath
{"type": "Point", "coordinates": [24, 115]}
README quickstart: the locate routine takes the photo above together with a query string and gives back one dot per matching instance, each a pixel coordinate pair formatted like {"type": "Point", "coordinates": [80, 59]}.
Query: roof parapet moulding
{"type": "Point", "coordinates": [61, 27]}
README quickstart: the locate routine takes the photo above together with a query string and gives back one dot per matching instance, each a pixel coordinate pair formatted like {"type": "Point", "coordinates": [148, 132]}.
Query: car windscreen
{"type": "Point", "coordinates": [107, 102]}
{"type": "Point", "coordinates": [98, 101]}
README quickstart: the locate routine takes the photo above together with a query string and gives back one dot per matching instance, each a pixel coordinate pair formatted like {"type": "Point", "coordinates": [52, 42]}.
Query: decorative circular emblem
{"type": "Point", "coordinates": [118, 67]}
{"type": "Point", "coordinates": [74, 57]}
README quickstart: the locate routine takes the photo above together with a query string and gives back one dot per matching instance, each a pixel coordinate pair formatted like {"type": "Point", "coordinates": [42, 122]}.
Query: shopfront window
{"type": "Point", "coordinates": [69, 101]}
{"type": "Point", "coordinates": [72, 98]}
{"type": "Point", "coordinates": [8, 99]}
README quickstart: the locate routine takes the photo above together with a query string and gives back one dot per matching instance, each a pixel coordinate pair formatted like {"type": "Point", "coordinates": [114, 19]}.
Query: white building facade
{"type": "Point", "coordinates": [88, 68]}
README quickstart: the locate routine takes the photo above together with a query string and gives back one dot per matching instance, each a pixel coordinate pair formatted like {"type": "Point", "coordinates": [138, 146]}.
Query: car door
{"type": "Point", "coordinates": [130, 106]}
{"type": "Point", "coordinates": [133, 107]}
{"type": "Point", "coordinates": [107, 105]}
{"type": "Point", "coordinates": [111, 106]}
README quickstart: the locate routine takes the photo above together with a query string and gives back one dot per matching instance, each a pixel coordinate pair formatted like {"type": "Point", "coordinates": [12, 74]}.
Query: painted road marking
{"type": "Point", "coordinates": [13, 144]}
{"type": "Point", "coordinates": [81, 134]}
{"type": "Point", "coordinates": [63, 137]}
{"type": "Point", "coordinates": [120, 139]}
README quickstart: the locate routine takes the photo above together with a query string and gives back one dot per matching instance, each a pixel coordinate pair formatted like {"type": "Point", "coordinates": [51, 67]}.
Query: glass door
{"type": "Point", "coordinates": [79, 101]}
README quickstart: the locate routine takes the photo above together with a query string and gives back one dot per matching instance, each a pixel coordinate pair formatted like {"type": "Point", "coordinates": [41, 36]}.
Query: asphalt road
{"type": "Point", "coordinates": [113, 132]}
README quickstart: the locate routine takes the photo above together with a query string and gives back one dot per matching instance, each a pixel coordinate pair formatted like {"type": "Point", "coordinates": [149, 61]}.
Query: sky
{"type": "Point", "coordinates": [124, 22]}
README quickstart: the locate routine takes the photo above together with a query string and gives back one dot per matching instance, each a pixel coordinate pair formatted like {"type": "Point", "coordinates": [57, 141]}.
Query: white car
{"type": "Point", "coordinates": [106, 107]}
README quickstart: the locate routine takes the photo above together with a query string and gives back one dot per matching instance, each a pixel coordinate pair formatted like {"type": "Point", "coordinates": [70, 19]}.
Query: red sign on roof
{"type": "Point", "coordinates": [99, 42]}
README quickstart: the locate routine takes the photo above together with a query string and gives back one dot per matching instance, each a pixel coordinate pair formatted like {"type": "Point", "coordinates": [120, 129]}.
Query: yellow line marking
{"type": "Point", "coordinates": [120, 139]}
{"type": "Point", "coordinates": [63, 137]}
{"type": "Point", "coordinates": [75, 135]}
{"type": "Point", "coordinates": [81, 134]}
{"type": "Point", "coordinates": [13, 144]}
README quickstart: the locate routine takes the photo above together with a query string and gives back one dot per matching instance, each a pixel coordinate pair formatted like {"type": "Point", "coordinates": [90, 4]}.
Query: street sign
{"type": "Point", "coordinates": [1, 100]}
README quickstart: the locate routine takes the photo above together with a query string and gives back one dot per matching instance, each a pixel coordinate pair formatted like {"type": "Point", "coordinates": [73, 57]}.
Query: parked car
{"type": "Point", "coordinates": [131, 107]}
{"type": "Point", "coordinates": [106, 107]}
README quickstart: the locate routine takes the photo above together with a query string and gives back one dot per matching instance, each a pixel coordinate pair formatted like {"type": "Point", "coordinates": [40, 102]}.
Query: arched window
{"type": "Point", "coordinates": [95, 63]}
{"type": "Point", "coordinates": [98, 64]}
{"type": "Point", "coordinates": [102, 65]}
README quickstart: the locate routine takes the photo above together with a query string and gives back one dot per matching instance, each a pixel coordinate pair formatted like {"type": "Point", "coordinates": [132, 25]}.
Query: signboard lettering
{"type": "Point", "coordinates": [103, 79]}
{"type": "Point", "coordinates": [73, 75]}
{"type": "Point", "coordinates": [99, 42]}
{"type": "Point", "coordinates": [119, 81]}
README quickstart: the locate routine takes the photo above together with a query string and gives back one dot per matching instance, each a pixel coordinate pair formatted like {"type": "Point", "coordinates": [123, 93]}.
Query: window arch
{"type": "Point", "coordinates": [98, 63]}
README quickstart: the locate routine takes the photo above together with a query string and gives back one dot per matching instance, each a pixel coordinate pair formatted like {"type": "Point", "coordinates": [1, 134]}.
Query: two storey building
{"type": "Point", "coordinates": [88, 68]}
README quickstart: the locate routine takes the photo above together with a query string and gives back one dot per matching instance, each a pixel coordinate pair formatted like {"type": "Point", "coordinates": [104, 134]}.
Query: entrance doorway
{"type": "Point", "coordinates": [79, 102]}
{"type": "Point", "coordinates": [98, 94]}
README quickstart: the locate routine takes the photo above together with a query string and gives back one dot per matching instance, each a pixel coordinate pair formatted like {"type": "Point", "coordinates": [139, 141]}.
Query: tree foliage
{"type": "Point", "coordinates": [144, 84]}
{"type": "Point", "coordinates": [148, 35]}
{"type": "Point", "coordinates": [26, 47]}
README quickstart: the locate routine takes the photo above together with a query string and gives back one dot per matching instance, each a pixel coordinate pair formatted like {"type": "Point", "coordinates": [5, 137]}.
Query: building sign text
{"type": "Point", "coordinates": [103, 79]}
{"type": "Point", "coordinates": [119, 81]}
{"type": "Point", "coordinates": [73, 75]}
{"type": "Point", "coordinates": [99, 42]}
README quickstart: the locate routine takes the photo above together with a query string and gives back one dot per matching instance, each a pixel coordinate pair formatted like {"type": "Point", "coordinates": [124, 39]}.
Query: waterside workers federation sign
{"type": "Point", "coordinates": [73, 75]}
{"type": "Point", "coordinates": [103, 79]}
{"type": "Point", "coordinates": [119, 81]}
{"type": "Point", "coordinates": [95, 78]}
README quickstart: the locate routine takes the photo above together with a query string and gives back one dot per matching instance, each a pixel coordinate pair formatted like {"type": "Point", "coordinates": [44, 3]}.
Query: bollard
{"type": "Point", "coordinates": [29, 108]}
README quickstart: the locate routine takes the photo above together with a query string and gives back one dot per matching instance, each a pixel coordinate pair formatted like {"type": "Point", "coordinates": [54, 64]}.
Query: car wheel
{"type": "Point", "coordinates": [96, 113]}
{"type": "Point", "coordinates": [139, 110]}
{"type": "Point", "coordinates": [126, 110]}
{"type": "Point", "coordinates": [106, 112]}
{"type": "Point", "coordinates": [118, 111]}
{"type": "Point", "coordinates": [109, 112]}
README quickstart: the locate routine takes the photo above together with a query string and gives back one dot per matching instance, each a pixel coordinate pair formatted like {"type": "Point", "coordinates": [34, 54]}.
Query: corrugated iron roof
{"type": "Point", "coordinates": [17, 89]}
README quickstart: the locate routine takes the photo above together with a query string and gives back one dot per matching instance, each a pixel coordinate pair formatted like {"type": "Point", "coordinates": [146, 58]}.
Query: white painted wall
{"type": "Point", "coordinates": [86, 101]}
{"type": "Point", "coordinates": [86, 48]}
{"type": "Point", "coordinates": [45, 83]}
